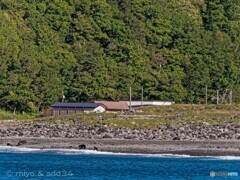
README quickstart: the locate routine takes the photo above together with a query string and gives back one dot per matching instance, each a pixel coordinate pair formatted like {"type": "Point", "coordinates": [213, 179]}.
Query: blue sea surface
{"type": "Point", "coordinates": [23, 163]}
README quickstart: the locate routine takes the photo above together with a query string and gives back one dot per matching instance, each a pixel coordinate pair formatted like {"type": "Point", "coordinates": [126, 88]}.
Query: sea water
{"type": "Point", "coordinates": [22, 163]}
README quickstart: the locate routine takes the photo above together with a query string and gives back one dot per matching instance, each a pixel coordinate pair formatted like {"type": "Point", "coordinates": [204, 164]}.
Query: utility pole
{"type": "Point", "coordinates": [217, 96]}
{"type": "Point", "coordinates": [130, 99]}
{"type": "Point", "coordinates": [206, 95]}
{"type": "Point", "coordinates": [63, 97]}
{"type": "Point", "coordinates": [142, 98]}
{"type": "Point", "coordinates": [230, 97]}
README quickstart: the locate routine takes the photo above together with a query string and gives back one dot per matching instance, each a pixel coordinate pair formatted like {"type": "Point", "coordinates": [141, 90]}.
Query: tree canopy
{"type": "Point", "coordinates": [97, 49]}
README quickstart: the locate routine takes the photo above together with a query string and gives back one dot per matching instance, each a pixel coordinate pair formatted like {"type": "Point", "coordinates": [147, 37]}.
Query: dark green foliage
{"type": "Point", "coordinates": [95, 50]}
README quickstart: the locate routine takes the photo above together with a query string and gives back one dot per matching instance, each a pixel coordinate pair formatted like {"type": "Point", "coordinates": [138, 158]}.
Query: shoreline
{"type": "Point", "coordinates": [186, 147]}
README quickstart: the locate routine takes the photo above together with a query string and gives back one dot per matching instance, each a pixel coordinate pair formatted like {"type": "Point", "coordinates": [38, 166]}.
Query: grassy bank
{"type": "Point", "coordinates": [150, 117]}
{"type": "Point", "coordinates": [153, 117]}
{"type": "Point", "coordinates": [5, 115]}
{"type": "Point", "coordinates": [176, 115]}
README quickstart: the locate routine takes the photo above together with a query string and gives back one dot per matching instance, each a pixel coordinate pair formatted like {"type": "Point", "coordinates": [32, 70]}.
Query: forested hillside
{"type": "Point", "coordinates": [97, 49]}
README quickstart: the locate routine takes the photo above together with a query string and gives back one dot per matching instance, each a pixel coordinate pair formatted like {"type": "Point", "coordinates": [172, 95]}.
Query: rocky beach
{"type": "Point", "coordinates": [201, 131]}
{"type": "Point", "coordinates": [193, 148]}
{"type": "Point", "coordinates": [200, 139]}
{"type": "Point", "coordinates": [179, 129]}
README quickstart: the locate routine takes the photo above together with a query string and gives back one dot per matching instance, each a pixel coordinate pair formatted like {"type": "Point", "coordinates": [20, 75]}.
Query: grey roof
{"type": "Point", "coordinates": [76, 105]}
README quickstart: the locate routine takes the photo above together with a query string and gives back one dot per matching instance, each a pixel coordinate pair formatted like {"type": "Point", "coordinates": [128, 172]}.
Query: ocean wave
{"type": "Point", "coordinates": [8, 149]}
{"type": "Point", "coordinates": [228, 157]}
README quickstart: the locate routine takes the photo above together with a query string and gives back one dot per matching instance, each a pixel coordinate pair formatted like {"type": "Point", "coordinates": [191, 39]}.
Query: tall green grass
{"type": "Point", "coordinates": [5, 115]}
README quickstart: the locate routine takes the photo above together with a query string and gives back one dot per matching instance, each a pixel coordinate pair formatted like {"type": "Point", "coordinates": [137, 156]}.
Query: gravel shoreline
{"type": "Point", "coordinates": [193, 148]}
{"type": "Point", "coordinates": [185, 132]}
{"type": "Point", "coordinates": [201, 139]}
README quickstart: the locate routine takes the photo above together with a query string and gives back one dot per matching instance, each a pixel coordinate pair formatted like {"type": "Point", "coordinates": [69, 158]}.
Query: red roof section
{"type": "Point", "coordinates": [120, 106]}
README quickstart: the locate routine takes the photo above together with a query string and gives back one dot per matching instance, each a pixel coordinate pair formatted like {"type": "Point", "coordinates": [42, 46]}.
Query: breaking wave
{"type": "Point", "coordinates": [7, 149]}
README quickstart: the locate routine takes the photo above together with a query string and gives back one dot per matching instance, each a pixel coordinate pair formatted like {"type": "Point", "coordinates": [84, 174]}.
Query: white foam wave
{"type": "Point", "coordinates": [17, 149]}
{"type": "Point", "coordinates": [228, 157]}
{"type": "Point", "coordinates": [8, 149]}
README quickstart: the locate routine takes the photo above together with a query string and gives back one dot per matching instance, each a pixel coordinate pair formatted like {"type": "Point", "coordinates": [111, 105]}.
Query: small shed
{"type": "Point", "coordinates": [114, 106]}
{"type": "Point", "coordinates": [61, 109]}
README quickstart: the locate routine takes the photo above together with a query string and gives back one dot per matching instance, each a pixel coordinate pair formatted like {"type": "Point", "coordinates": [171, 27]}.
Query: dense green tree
{"type": "Point", "coordinates": [96, 49]}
